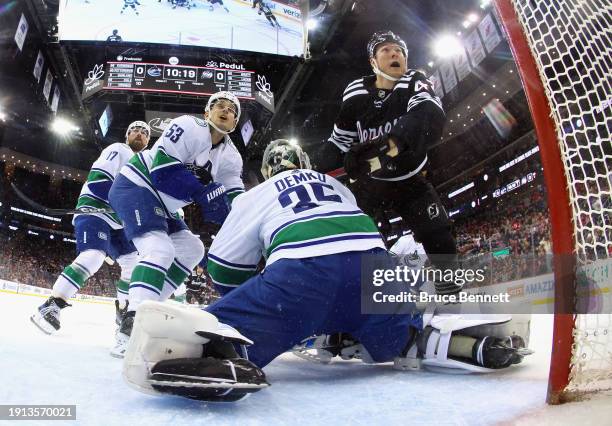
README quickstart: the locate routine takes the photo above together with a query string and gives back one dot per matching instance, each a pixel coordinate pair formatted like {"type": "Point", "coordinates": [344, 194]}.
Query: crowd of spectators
{"type": "Point", "coordinates": [511, 239]}
{"type": "Point", "coordinates": [38, 262]}
{"type": "Point", "coordinates": [520, 225]}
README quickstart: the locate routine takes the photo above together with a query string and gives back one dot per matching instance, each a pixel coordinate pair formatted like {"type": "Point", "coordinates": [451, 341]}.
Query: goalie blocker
{"type": "Point", "coordinates": [179, 350]}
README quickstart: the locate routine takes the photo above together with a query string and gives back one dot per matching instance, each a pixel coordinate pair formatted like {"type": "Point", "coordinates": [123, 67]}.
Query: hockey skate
{"type": "Point", "coordinates": [324, 348]}
{"type": "Point", "coordinates": [47, 316]}
{"type": "Point", "coordinates": [120, 312]}
{"type": "Point", "coordinates": [122, 336]}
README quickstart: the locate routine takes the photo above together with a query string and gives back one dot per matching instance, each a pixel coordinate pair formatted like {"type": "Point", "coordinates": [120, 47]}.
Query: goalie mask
{"type": "Point", "coordinates": [227, 96]}
{"type": "Point", "coordinates": [281, 155]}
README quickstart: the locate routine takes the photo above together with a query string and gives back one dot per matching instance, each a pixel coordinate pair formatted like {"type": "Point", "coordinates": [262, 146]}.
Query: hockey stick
{"type": "Point", "coordinates": [57, 212]}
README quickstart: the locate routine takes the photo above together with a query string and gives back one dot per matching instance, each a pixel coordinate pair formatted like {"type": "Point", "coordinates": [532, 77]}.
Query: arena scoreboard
{"type": "Point", "coordinates": [180, 79]}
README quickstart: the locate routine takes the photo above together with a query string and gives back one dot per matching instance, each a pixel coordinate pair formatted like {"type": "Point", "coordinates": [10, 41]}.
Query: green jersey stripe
{"type": "Point", "coordinates": [96, 176]}
{"type": "Point", "coordinates": [227, 275]}
{"type": "Point", "coordinates": [162, 159]}
{"type": "Point", "coordinates": [141, 166]}
{"type": "Point", "coordinates": [322, 227]}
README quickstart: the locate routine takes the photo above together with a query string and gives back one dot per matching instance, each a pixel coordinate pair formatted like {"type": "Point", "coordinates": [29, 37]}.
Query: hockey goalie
{"type": "Point", "coordinates": [315, 238]}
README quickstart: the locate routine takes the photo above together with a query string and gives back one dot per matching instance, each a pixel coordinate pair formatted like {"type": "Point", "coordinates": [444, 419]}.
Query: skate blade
{"type": "Point", "coordinates": [37, 323]}
{"type": "Point", "coordinates": [118, 351]}
{"type": "Point", "coordinates": [118, 355]}
{"type": "Point", "coordinates": [313, 357]}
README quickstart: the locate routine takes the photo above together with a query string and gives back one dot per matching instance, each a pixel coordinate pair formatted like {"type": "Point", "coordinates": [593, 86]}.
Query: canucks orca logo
{"type": "Point", "coordinates": [154, 72]}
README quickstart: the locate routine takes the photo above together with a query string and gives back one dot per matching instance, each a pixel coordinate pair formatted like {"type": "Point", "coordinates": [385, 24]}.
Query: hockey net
{"type": "Point", "coordinates": [563, 50]}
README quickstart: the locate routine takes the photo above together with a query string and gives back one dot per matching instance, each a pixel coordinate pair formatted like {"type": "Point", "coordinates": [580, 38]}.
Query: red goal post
{"type": "Point", "coordinates": [560, 51]}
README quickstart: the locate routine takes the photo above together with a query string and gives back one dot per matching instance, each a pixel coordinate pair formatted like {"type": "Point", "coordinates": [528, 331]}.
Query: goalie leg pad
{"type": "Point", "coordinates": [208, 379]}
{"type": "Point", "coordinates": [164, 331]}
{"type": "Point", "coordinates": [490, 352]}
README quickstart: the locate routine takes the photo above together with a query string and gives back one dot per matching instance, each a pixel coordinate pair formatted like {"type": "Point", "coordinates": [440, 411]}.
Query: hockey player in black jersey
{"type": "Point", "coordinates": [386, 123]}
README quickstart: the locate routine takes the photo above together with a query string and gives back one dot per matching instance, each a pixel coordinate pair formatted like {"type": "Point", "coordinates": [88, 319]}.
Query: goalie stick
{"type": "Point", "coordinates": [57, 212]}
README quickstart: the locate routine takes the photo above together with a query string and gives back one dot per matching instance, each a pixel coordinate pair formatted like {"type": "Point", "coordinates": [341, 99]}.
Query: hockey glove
{"type": "Point", "coordinates": [359, 160]}
{"type": "Point", "coordinates": [201, 173]}
{"type": "Point", "coordinates": [213, 201]}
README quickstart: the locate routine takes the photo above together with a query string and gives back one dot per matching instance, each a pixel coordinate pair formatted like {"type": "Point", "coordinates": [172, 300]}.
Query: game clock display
{"type": "Point", "coordinates": [195, 80]}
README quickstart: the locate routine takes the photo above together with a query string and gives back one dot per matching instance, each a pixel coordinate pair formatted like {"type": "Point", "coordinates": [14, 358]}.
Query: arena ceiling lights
{"type": "Point", "coordinates": [447, 46]}
{"type": "Point", "coordinates": [63, 126]}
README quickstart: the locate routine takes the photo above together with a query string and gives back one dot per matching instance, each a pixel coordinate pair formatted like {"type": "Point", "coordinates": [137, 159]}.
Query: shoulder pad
{"type": "Point", "coordinates": [355, 88]}
{"type": "Point", "coordinates": [199, 121]}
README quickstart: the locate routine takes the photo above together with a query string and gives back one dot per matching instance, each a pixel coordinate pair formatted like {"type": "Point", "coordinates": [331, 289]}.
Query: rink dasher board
{"type": "Point", "coordinates": [12, 287]}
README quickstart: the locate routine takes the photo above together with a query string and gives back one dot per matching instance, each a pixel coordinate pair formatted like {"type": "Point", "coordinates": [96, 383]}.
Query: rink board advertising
{"type": "Point", "coordinates": [178, 78]}
{"type": "Point", "coordinates": [227, 24]}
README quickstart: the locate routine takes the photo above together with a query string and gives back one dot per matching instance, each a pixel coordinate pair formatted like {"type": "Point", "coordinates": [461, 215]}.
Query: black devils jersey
{"type": "Point", "coordinates": [367, 113]}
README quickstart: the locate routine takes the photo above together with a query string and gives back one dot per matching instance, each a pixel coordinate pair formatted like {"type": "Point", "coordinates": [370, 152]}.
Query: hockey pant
{"type": "Point", "coordinates": [419, 205]}
{"type": "Point", "coordinates": [293, 299]}
{"type": "Point", "coordinates": [167, 250]}
{"type": "Point", "coordinates": [95, 241]}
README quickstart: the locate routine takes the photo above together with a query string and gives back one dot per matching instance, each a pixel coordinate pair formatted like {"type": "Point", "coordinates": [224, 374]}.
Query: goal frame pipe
{"type": "Point", "coordinates": [558, 201]}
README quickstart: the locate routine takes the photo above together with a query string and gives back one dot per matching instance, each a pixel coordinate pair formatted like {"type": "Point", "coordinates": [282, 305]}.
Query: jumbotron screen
{"type": "Point", "coordinates": [270, 27]}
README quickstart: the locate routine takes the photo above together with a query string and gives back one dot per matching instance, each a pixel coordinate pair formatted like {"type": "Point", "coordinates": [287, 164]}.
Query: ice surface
{"type": "Point", "coordinates": [74, 367]}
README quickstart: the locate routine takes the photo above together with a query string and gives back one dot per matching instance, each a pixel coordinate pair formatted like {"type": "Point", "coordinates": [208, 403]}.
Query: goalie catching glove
{"type": "Point", "coordinates": [179, 350]}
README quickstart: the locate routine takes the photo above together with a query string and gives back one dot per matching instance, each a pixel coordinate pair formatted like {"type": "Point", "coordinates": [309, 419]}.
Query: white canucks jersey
{"type": "Point", "coordinates": [101, 176]}
{"type": "Point", "coordinates": [295, 214]}
{"type": "Point", "coordinates": [186, 142]}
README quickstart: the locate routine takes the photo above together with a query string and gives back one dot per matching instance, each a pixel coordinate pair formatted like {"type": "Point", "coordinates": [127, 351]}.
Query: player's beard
{"type": "Point", "coordinates": [138, 143]}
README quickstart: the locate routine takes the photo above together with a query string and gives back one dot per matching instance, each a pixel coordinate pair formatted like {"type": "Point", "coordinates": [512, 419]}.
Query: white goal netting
{"type": "Point", "coordinates": [571, 41]}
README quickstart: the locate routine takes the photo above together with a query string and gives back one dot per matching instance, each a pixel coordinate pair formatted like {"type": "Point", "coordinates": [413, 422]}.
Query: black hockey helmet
{"type": "Point", "coordinates": [380, 37]}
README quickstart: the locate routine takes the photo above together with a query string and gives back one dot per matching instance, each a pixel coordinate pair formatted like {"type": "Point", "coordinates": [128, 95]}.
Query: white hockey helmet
{"type": "Point", "coordinates": [143, 125]}
{"type": "Point", "coordinates": [281, 155]}
{"type": "Point", "coordinates": [228, 96]}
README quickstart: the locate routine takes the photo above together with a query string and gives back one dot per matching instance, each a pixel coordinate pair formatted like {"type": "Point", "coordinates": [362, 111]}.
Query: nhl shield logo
{"type": "Point", "coordinates": [433, 210]}
{"type": "Point", "coordinates": [102, 236]}
{"type": "Point", "coordinates": [381, 94]}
